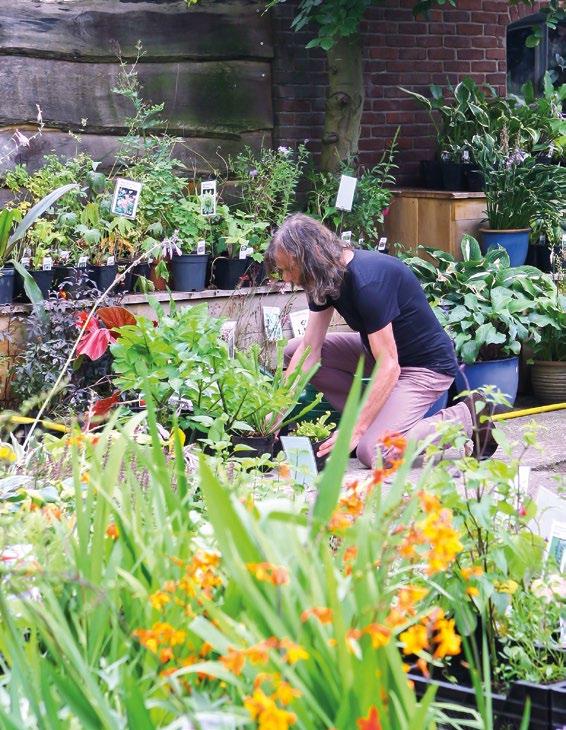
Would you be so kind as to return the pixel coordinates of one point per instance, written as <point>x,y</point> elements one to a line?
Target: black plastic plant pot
<point>320,460</point>
<point>227,273</point>
<point>475,181</point>
<point>131,278</point>
<point>452,175</point>
<point>431,174</point>
<point>188,272</point>
<point>7,285</point>
<point>78,281</point>
<point>256,273</point>
<point>104,276</point>
<point>508,709</point>
<point>558,705</point>
<point>43,279</point>
<point>256,446</point>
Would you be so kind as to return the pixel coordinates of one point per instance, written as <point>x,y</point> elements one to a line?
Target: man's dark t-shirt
<point>379,289</point>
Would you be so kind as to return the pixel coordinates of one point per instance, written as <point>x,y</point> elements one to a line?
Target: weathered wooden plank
<point>201,99</point>
<point>203,156</point>
<point>94,30</point>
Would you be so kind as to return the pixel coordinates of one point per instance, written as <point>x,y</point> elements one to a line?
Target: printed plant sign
<point>272,323</point>
<point>299,322</point>
<point>345,197</point>
<point>556,548</point>
<point>126,198</point>
<point>208,198</point>
<point>228,334</point>
<point>300,457</point>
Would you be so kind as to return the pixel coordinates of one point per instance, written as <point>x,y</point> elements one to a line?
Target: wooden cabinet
<point>437,218</point>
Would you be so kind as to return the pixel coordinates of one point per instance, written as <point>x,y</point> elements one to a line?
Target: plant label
<point>272,323</point>
<point>25,261</point>
<point>111,261</point>
<point>300,457</point>
<point>83,261</point>
<point>347,236</point>
<point>64,255</point>
<point>243,253</point>
<point>361,242</point>
<point>126,198</point>
<point>345,197</point>
<point>208,198</point>
<point>382,245</point>
<point>27,252</point>
<point>556,545</point>
<point>201,248</point>
<point>299,322</point>
<point>249,251</point>
<point>47,263</point>
<point>228,334</point>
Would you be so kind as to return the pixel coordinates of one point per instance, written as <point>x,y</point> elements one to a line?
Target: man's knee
<point>290,349</point>
<point>366,453</point>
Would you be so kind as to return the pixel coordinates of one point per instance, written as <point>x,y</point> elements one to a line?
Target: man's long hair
<point>317,252</point>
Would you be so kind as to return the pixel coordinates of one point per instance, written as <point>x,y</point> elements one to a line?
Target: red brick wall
<point>399,51</point>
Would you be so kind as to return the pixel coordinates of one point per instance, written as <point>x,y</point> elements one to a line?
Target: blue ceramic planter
<point>503,374</point>
<point>514,241</point>
<point>438,405</point>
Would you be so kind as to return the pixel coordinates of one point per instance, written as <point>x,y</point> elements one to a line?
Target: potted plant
<point>234,245</point>
<point>548,372</point>
<point>317,432</point>
<point>519,190</point>
<point>9,239</point>
<point>487,307</point>
<point>188,262</point>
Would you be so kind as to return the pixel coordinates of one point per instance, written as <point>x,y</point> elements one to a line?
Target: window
<point>530,64</point>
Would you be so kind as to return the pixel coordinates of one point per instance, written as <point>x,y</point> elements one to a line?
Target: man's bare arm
<point>316,330</point>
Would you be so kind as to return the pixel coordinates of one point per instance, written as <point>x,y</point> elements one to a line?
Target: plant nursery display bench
<point>436,218</point>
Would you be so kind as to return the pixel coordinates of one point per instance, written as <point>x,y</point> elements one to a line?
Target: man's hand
<point>327,446</point>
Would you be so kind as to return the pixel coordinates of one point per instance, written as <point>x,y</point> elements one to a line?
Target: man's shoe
<point>482,435</point>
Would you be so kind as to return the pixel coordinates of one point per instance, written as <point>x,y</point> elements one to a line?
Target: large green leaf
<point>39,209</point>
<point>31,288</point>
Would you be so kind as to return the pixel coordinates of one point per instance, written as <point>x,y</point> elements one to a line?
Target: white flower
<point>39,114</point>
<point>285,151</point>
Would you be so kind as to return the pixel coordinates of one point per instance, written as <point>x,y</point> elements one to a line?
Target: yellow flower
<point>7,453</point>
<point>472,571</point>
<point>506,586</point>
<point>159,599</point>
<point>285,693</point>
<point>414,639</point>
<point>472,591</point>
<point>379,634</point>
<point>293,652</point>
<point>447,640</point>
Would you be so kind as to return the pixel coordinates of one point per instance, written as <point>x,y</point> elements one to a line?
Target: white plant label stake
<point>208,198</point>
<point>111,261</point>
<point>382,245</point>
<point>347,236</point>
<point>345,197</point>
<point>299,322</point>
<point>47,263</point>
<point>201,248</point>
<point>272,323</point>
<point>83,261</point>
<point>126,198</point>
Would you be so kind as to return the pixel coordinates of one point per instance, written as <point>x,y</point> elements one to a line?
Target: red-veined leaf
<point>95,343</point>
<point>115,317</point>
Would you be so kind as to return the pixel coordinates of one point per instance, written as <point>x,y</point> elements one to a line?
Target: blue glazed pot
<point>438,405</point>
<point>503,374</point>
<point>515,241</point>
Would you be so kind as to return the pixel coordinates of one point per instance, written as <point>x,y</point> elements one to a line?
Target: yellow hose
<point>529,412</point>
<point>46,424</point>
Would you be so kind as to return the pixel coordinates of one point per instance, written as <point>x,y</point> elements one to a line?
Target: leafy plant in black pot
<point>317,432</point>
<point>241,236</point>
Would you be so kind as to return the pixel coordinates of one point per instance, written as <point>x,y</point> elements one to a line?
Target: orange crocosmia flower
<point>473,571</point>
<point>170,586</point>
<point>285,693</point>
<point>259,653</point>
<point>414,639</point>
<point>85,477</point>
<point>394,441</point>
<point>293,652</point>
<point>324,615</point>
<point>277,575</point>
<point>371,721</point>
<point>112,531</point>
<point>284,471</point>
<point>422,666</point>
<point>379,634</point>
<point>429,502</point>
<point>234,661</point>
<point>205,649</point>
<point>408,596</point>
<point>352,635</point>
<point>165,655</point>
<point>472,591</point>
